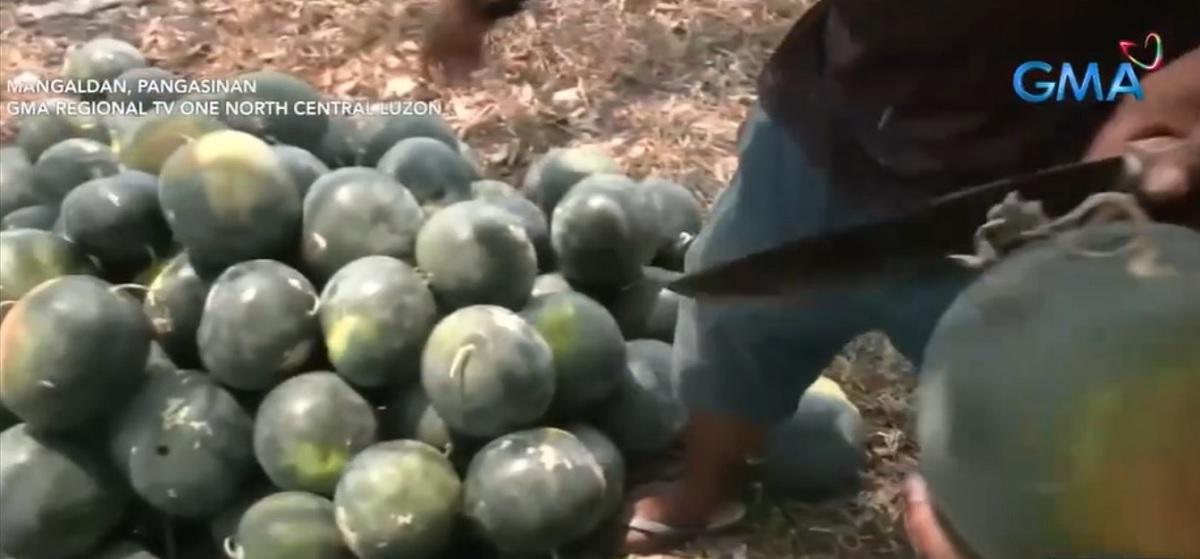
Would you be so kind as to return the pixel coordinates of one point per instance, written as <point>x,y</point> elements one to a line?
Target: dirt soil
<point>661,85</point>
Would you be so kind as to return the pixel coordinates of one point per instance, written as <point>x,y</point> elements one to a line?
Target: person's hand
<point>453,44</point>
<point>924,533</point>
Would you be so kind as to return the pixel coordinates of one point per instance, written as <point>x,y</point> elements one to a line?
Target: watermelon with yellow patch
<point>290,525</point>
<point>308,428</point>
<point>31,257</point>
<point>553,174</point>
<point>147,144</point>
<point>70,163</point>
<point>398,499</point>
<point>228,198</point>
<point>589,352</point>
<point>99,61</point>
<point>174,303</point>
<point>299,123</point>
<point>184,444</point>
<point>376,313</point>
<point>1058,396</point>
<point>71,352</point>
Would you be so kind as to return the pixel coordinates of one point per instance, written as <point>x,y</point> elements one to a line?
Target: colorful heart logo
<point>1158,51</point>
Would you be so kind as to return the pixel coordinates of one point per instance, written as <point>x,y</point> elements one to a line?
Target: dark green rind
<point>644,416</point>
<point>99,60</point>
<point>290,525</point>
<point>29,257</point>
<point>589,352</point>
<point>612,462</point>
<point>398,499</point>
<point>410,415</point>
<point>534,491</point>
<point>554,174</point>
<point>339,146</point>
<point>126,550</point>
<point>223,525</point>
<point>175,304</point>
<point>259,325</point>
<point>286,127</point>
<point>228,198</point>
<point>308,428</point>
<point>41,218</point>
<point>817,453</point>
<point>602,233</point>
<point>139,83</point>
<point>40,131</point>
<point>536,225</point>
<point>377,135</point>
<point>644,308</point>
<point>117,219</point>
<point>70,163</point>
<point>302,165</point>
<point>57,501</point>
<point>355,212</point>
<point>73,352</point>
<point>546,284</point>
<point>376,314</point>
<point>488,188</point>
<point>679,215</point>
<point>16,181</point>
<point>503,377</point>
<point>436,174</point>
<point>477,253</point>
<point>184,444</point>
<point>147,145</point>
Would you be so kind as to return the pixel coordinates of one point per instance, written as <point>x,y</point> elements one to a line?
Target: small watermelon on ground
<point>554,174</point>
<point>546,284</point>
<point>30,257</point>
<point>477,253</point>
<point>410,415</point>
<point>16,181</point>
<point>50,125</point>
<point>376,314</point>
<point>57,500</point>
<point>377,135</point>
<point>299,125</point>
<point>147,88</point>
<point>302,165</point>
<point>355,212</point>
<point>644,417</point>
<point>70,163</point>
<point>228,198</point>
<point>398,499</point>
<point>98,61</point>
<point>534,491</point>
<point>41,218</point>
<point>589,352</point>
<point>487,371</point>
<point>307,430</point>
<point>435,173</point>
<point>536,225</point>
<point>71,351</point>
<point>175,304</point>
<point>117,219</point>
<point>601,232</point>
<point>818,452</point>
<point>259,325</point>
<point>290,525</point>
<point>679,216</point>
<point>148,144</point>
<point>184,444</point>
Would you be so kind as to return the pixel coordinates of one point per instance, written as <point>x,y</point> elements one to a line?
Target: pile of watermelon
<point>304,337</point>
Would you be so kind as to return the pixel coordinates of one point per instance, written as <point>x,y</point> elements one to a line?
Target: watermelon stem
<point>121,288</point>
<point>232,550</point>
<point>458,369</point>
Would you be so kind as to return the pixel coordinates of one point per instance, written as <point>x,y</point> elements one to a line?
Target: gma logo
<point>1035,82</point>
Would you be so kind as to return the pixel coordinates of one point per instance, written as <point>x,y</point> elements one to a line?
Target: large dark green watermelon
<point>376,313</point>
<point>488,371</point>
<point>16,181</point>
<point>229,198</point>
<point>644,308</point>
<point>144,87</point>
<point>184,444</point>
<point>552,175</point>
<point>50,125</point>
<point>679,215</point>
<point>537,226</point>
<point>175,303</point>
<point>290,525</point>
<point>117,219</point>
<point>70,163</point>
<point>437,174</point>
<point>99,60</point>
<point>398,499</point>
<point>602,232</point>
<point>42,218</point>
<point>302,165</point>
<point>71,351</point>
<point>149,143</point>
<point>818,452</point>
<point>30,257</point>
<point>299,125</point>
<point>612,462</point>
<point>644,417</point>
<point>378,134</point>
<point>259,325</point>
<point>410,415</point>
<point>589,352</point>
<point>57,500</point>
<point>534,491</point>
<point>354,212</point>
<point>477,253</point>
<point>308,428</point>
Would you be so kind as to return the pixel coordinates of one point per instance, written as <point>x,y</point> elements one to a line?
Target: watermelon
<point>644,308</point>
<point>533,221</point>
<point>259,325</point>
<point>290,525</point>
<point>40,131</point>
<point>612,463</point>
<point>158,362</point>
<point>477,253</point>
<point>126,550</point>
<point>377,135</point>
<point>549,178</point>
<point>817,452</point>
<point>71,351</point>
<point>228,198</point>
<point>410,415</point>
<point>117,219</point>
<point>99,60</point>
<point>146,87</point>
<point>16,181</point>
<point>588,350</point>
<point>147,144</point>
<point>30,257</point>
<point>223,526</point>
<point>1057,400</point>
<point>184,444</point>
<point>308,428</point>
<point>355,212</point>
<point>339,146</point>
<point>487,371</point>
<point>299,124</point>
<point>175,304</point>
<point>546,284</point>
<point>534,491</point>
<point>435,173</point>
<point>398,499</point>
<point>376,313</point>
<point>70,163</point>
<point>489,188</point>
<point>679,217</point>
<point>644,417</point>
<point>41,218</point>
<point>602,233</point>
<point>57,500</point>
<point>302,165</point>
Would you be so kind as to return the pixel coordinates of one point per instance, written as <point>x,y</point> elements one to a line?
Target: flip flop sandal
<point>728,516</point>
